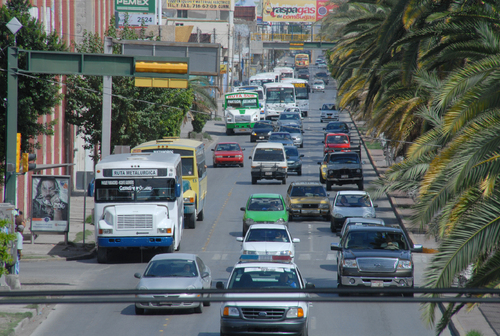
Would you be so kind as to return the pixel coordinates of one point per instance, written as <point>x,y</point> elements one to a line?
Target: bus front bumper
<point>150,241</point>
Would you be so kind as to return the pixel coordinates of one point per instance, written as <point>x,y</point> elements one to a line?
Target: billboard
<point>295,10</point>
<point>50,203</point>
<point>136,6</point>
<point>223,5</point>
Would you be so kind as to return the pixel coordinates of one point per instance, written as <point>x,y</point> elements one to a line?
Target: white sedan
<point>318,85</point>
<point>268,239</point>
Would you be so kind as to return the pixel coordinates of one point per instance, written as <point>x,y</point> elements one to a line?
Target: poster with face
<point>50,203</point>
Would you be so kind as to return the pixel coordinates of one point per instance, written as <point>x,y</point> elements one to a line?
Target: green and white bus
<point>241,111</point>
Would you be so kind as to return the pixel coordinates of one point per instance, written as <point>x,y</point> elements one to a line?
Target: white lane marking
<point>216,256</point>
<point>305,256</point>
<point>331,256</point>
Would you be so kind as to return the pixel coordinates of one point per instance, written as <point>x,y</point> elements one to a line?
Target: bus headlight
<point>162,230</point>
<point>105,231</point>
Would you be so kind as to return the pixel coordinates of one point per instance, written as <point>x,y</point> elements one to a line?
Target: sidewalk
<point>53,247</point>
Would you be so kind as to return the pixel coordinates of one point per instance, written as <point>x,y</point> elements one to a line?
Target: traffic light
<point>171,73</point>
<point>18,152</point>
<point>27,166</point>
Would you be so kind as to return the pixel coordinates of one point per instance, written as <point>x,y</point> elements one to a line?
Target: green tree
<point>37,94</point>
<point>203,103</point>
<point>6,240</point>
<point>138,114</point>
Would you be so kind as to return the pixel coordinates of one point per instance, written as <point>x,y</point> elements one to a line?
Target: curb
<point>26,321</point>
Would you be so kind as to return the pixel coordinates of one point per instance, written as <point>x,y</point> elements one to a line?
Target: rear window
<point>268,154</point>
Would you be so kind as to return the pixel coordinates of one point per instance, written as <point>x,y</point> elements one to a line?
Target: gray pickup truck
<point>342,168</point>
<point>376,257</point>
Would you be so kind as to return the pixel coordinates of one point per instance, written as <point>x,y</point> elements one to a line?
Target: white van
<point>269,162</point>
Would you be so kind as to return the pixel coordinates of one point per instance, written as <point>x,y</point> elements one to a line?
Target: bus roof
<point>279,85</point>
<point>132,160</point>
<point>294,80</point>
<point>173,142</point>
<point>248,88</point>
<point>283,69</point>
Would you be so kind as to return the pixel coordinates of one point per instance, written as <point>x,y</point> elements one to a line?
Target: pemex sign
<point>135,6</point>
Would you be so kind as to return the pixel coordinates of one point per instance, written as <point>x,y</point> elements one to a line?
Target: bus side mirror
<point>178,190</point>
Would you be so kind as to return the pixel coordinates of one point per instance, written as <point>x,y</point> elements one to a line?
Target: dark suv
<point>323,76</point>
<point>376,257</point>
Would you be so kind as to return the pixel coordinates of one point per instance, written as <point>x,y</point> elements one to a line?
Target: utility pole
<point>240,66</point>
<point>230,46</point>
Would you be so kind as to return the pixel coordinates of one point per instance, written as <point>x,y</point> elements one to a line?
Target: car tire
<point>283,181</point>
<point>244,230</point>
<point>207,303</point>
<point>290,217</point>
<point>321,179</point>
<point>102,255</point>
<point>254,180</point>
<point>321,120</point>
<point>360,185</point>
<point>299,172</point>
<point>139,311</point>
<point>302,145</point>
<point>215,165</point>
<point>191,220</point>
<point>200,216</point>
<point>327,218</point>
<point>328,185</point>
<point>199,309</point>
<point>332,226</point>
<point>229,132</point>
<point>242,164</point>
<point>252,140</point>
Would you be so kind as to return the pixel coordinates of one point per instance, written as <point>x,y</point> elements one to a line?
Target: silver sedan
<point>173,271</point>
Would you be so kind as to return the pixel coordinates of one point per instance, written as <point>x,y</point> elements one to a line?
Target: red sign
<point>323,7</point>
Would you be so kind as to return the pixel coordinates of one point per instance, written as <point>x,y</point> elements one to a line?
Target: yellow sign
<point>200,4</point>
<point>289,10</point>
<point>223,68</point>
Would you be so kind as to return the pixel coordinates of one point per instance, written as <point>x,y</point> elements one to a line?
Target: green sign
<point>135,6</point>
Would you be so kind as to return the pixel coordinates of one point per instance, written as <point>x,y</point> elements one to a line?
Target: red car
<point>228,153</point>
<point>337,142</point>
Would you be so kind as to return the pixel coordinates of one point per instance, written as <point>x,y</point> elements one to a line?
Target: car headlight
<point>280,221</point>
<point>238,156</point>
<point>253,133</point>
<point>295,312</point>
<point>323,169</point>
<point>219,156</point>
<point>297,206</point>
<point>324,206</point>
<point>249,252</point>
<point>230,311</point>
<point>368,215</point>
<point>358,170</point>
<point>287,252</point>
<point>349,263</point>
<point>249,221</point>
<point>291,162</point>
<point>404,264</point>
<point>338,215</point>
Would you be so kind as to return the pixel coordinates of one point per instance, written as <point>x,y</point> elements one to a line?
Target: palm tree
<point>203,103</point>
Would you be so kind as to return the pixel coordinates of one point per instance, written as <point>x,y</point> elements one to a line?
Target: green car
<point>264,209</point>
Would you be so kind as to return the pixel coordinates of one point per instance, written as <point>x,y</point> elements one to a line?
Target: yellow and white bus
<point>194,169</point>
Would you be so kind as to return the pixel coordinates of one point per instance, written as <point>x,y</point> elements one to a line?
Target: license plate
<point>261,137</point>
<point>269,173</point>
<point>166,303</point>
<point>344,176</point>
<point>377,283</point>
<point>310,211</point>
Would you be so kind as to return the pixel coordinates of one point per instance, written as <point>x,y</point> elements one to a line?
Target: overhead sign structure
<point>296,10</point>
<point>224,5</point>
<point>135,6</point>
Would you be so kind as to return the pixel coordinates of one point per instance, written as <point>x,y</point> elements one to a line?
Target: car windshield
<point>268,235</point>
<point>375,240</point>
<point>291,151</point>
<point>289,116</point>
<point>262,125</point>
<point>308,191</point>
<point>227,147</point>
<point>268,154</point>
<point>289,129</point>
<point>280,136</point>
<point>171,268</point>
<point>318,83</point>
<point>344,159</point>
<point>353,201</point>
<point>337,139</point>
<point>257,277</point>
<point>265,204</point>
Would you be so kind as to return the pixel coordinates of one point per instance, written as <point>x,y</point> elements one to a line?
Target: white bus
<point>279,96</point>
<point>241,111</point>
<point>285,72</point>
<point>302,90</point>
<point>264,78</point>
<point>260,91</point>
<point>138,203</point>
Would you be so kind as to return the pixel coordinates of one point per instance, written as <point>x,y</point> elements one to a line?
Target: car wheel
<point>102,255</point>
<point>299,172</point>
<point>200,216</point>
<point>139,311</point>
<point>290,217</point>
<point>254,180</point>
<point>252,140</point>
<point>321,179</point>
<point>339,286</point>
<point>199,309</point>
<point>244,231</point>
<point>207,303</point>
<point>302,145</point>
<point>283,181</point>
<point>229,132</point>
<point>242,164</point>
<point>332,226</point>
<point>328,185</point>
<point>191,220</point>
<point>327,218</point>
<point>321,120</point>
<point>360,185</point>
<point>215,165</point>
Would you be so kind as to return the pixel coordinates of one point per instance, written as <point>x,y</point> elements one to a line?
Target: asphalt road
<point>214,240</point>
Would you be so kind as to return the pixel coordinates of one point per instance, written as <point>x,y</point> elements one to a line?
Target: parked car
<point>173,271</point>
<point>375,257</point>
<point>318,85</point>
<point>281,137</point>
<point>329,112</point>
<point>264,209</point>
<point>296,133</point>
<point>261,130</point>
<point>351,203</point>
<point>227,154</point>
<point>268,239</point>
<point>294,159</point>
<point>307,199</point>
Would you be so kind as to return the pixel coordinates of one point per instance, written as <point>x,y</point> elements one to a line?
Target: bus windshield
<point>301,91</point>
<point>242,103</point>
<point>135,190</point>
<point>279,95</point>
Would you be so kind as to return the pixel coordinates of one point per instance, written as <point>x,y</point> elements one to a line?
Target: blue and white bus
<point>138,203</point>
